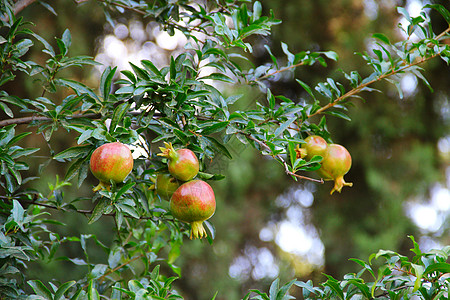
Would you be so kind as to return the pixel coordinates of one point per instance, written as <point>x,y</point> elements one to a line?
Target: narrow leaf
<point>40,289</point>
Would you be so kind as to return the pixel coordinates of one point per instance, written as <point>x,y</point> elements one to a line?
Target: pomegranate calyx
<point>339,183</point>
<point>300,152</point>
<point>197,230</point>
<point>168,151</point>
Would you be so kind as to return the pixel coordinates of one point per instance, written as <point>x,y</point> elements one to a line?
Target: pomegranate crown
<point>167,151</point>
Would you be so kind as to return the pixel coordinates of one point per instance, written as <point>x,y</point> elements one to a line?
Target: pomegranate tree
<point>193,202</point>
<point>166,185</point>
<point>111,161</point>
<point>183,163</point>
<point>335,164</point>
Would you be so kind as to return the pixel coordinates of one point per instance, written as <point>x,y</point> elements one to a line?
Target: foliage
<point>398,277</point>
<point>185,105</point>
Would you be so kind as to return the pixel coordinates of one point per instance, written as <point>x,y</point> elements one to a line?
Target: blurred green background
<point>268,225</point>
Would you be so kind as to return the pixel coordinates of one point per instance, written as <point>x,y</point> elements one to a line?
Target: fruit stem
<point>197,230</point>
<point>102,186</point>
<point>339,183</point>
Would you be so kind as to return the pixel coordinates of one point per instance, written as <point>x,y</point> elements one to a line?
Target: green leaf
<point>116,294</point>
<point>274,59</point>
<point>270,99</point>
<point>102,206</point>
<point>130,210</point>
<point>151,67</point>
<point>418,272</point>
<point>17,212</point>
<point>173,69</point>
<point>441,267</point>
<point>76,86</point>
<point>283,126</point>
<point>118,114</point>
<point>219,146</point>
<point>334,286</point>
<point>63,289</point>
<point>92,292</point>
<point>74,152</point>
<point>17,138</point>
<point>40,289</point>
<point>338,114</point>
<point>306,87</point>
<point>106,81</point>
<point>218,76</point>
<point>75,167</point>
<point>283,291</point>
<point>381,37</point>
<point>331,55</point>
<point>441,9</point>
<point>217,127</point>
<point>273,290</point>
<point>124,189</point>
<point>49,8</point>
<point>48,48</point>
<point>140,73</point>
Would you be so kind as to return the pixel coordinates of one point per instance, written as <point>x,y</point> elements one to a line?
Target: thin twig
<point>362,86</point>
<point>442,33</point>
<point>30,119</point>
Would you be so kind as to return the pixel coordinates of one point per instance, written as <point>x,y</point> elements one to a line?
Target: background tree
<point>182,104</point>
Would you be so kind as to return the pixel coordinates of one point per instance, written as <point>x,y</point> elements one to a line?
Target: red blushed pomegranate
<point>194,202</point>
<point>166,185</point>
<point>314,145</point>
<point>183,163</point>
<point>112,161</point>
<point>336,163</point>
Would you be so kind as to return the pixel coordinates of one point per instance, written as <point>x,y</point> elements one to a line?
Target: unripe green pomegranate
<point>112,161</point>
<point>193,202</point>
<point>314,145</point>
<point>166,185</point>
<point>335,164</point>
<point>183,164</point>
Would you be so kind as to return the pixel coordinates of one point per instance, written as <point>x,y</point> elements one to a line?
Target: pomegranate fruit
<point>314,145</point>
<point>335,164</point>
<point>183,163</point>
<point>193,202</point>
<point>166,185</point>
<point>111,161</point>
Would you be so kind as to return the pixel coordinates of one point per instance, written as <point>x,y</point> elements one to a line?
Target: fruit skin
<point>314,145</point>
<point>183,163</point>
<point>194,202</point>
<point>111,161</point>
<point>166,185</point>
<point>335,164</point>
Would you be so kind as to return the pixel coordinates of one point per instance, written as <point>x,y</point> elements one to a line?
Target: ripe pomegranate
<point>314,145</point>
<point>166,185</point>
<point>183,164</point>
<point>112,161</point>
<point>335,164</point>
<point>193,202</point>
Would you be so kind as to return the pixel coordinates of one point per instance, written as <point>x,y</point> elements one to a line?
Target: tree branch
<point>28,120</point>
<point>18,7</point>
<point>362,86</point>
